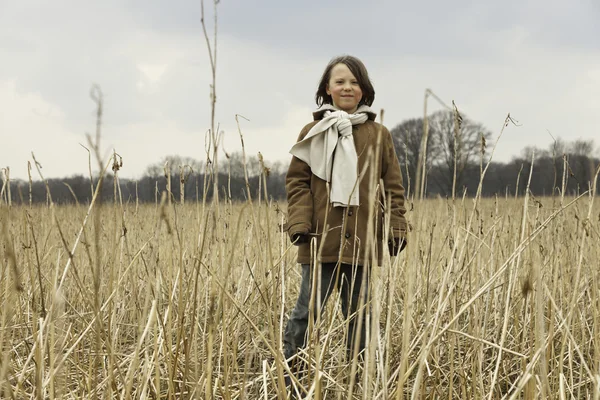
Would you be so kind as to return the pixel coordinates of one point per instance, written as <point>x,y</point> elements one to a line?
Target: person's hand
<point>300,238</point>
<point>396,245</point>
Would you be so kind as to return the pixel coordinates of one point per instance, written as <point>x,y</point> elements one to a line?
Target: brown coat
<point>310,211</point>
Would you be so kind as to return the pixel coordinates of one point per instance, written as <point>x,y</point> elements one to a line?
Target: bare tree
<point>581,162</point>
<point>407,138</point>
<point>582,147</point>
<point>539,153</point>
<point>236,163</point>
<point>460,146</point>
<point>157,169</point>
<point>279,167</point>
<point>558,148</point>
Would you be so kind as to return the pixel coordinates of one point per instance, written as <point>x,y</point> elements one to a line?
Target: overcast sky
<point>537,59</point>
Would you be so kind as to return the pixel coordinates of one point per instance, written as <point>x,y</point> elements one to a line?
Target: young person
<point>330,192</point>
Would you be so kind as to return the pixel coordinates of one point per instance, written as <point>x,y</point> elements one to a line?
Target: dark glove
<point>300,238</point>
<point>396,245</point>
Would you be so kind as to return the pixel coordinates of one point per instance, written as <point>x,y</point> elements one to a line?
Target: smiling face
<point>344,89</point>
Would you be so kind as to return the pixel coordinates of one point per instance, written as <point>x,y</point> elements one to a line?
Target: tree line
<point>195,184</point>
<point>457,153</point>
<point>454,158</point>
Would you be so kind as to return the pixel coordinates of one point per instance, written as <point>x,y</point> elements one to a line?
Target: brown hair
<point>359,71</point>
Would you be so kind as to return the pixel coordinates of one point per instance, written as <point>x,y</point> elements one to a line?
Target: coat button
<point>347,235</point>
<point>350,213</point>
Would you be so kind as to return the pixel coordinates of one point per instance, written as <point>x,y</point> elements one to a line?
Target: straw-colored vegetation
<point>493,298</point>
<point>496,298</point>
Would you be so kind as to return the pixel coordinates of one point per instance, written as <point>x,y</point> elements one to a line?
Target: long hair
<point>359,71</point>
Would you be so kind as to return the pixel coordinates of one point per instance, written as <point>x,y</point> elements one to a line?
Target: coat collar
<point>318,115</point>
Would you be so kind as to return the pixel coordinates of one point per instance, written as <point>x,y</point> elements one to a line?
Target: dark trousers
<point>349,284</point>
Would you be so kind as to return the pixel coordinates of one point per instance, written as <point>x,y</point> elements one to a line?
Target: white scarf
<point>331,136</point>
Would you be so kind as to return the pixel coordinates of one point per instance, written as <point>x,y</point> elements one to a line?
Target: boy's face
<point>344,89</point>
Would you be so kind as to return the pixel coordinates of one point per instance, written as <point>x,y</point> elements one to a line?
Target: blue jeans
<point>349,284</point>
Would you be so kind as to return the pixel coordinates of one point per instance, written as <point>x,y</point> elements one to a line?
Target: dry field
<point>492,299</point>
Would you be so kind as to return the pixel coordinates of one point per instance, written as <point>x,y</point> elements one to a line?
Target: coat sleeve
<point>394,189</point>
<point>299,197</point>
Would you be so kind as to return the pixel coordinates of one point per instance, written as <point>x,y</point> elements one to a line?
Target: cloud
<point>36,125</point>
<point>537,60</point>
<point>273,141</point>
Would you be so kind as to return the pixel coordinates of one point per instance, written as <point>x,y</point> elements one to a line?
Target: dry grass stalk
<point>184,300</point>
<point>159,269</point>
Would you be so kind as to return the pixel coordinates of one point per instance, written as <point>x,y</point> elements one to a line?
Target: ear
<point>327,89</point>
